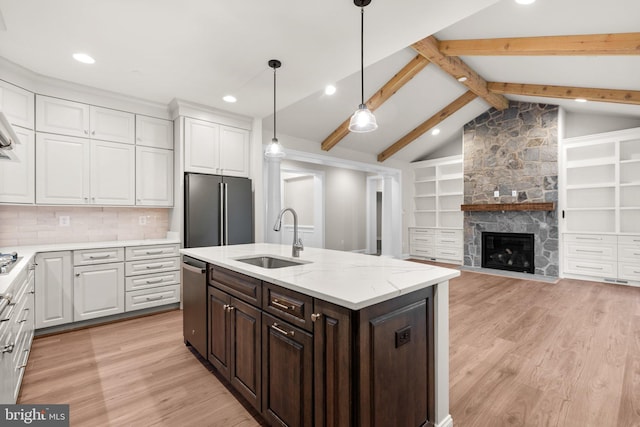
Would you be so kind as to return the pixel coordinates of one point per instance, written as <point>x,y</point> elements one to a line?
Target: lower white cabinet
<point>436,244</point>
<point>98,290</point>
<point>54,289</point>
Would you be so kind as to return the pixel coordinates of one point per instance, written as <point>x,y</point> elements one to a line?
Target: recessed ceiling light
<point>229,98</point>
<point>462,79</point>
<point>435,132</point>
<point>581,100</point>
<point>329,90</point>
<point>84,58</point>
<point>525,1</point>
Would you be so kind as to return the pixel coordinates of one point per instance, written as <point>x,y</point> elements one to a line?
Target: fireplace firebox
<point>508,251</point>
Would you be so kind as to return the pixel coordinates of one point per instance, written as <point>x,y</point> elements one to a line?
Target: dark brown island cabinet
<point>302,361</point>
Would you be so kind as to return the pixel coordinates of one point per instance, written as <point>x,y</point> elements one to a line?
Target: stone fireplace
<point>514,150</point>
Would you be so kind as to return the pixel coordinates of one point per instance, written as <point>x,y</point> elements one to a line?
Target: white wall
<point>580,124</point>
<point>298,194</point>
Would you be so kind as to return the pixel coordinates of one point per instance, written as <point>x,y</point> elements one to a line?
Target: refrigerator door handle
<point>221,211</point>
<point>226,215</point>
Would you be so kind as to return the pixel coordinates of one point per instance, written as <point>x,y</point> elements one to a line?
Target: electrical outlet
<point>64,221</point>
<point>142,220</point>
<point>496,193</point>
<point>514,193</point>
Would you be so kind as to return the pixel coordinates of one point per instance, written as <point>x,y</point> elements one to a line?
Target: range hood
<point>8,136</point>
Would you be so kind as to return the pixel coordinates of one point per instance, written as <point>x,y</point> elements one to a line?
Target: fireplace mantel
<point>493,207</point>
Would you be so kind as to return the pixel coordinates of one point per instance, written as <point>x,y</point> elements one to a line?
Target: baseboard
<point>447,422</point>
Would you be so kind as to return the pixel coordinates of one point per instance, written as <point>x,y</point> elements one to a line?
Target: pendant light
<point>274,149</point>
<point>363,119</point>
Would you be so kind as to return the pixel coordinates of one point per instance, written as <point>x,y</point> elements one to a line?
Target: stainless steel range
<point>7,261</point>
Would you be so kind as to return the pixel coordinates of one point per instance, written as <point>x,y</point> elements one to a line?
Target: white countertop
<point>347,279</point>
<point>28,252</point>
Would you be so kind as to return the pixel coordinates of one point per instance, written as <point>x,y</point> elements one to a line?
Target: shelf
<point>450,210</point>
<point>450,177</point>
<point>611,185</point>
<point>425,211</point>
<point>420,181</point>
<point>630,208</point>
<point>589,209</point>
<point>630,184</point>
<point>417,196</point>
<point>456,193</point>
<point>575,164</point>
<point>630,161</point>
<point>493,207</point>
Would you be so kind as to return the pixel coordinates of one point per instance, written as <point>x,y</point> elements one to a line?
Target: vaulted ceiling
<point>201,50</point>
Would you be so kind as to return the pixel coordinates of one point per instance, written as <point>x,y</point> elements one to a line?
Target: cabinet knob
<point>93,132</point>
<point>228,307</point>
<point>77,274</point>
<point>315,316</point>
<point>86,132</point>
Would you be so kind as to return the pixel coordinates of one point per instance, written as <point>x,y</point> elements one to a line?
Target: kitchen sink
<point>265,261</point>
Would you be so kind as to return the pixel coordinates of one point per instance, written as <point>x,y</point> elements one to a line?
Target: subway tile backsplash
<point>37,225</point>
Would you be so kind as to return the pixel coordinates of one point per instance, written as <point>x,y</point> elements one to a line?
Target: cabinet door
<point>17,104</point>
<point>17,172</point>
<point>112,125</point>
<point>152,132</point>
<point>246,370</point>
<point>112,173</point>
<point>287,373</point>
<point>62,117</point>
<point>201,146</point>
<point>98,291</point>
<point>54,291</point>
<point>62,169</point>
<point>234,151</point>
<point>332,365</point>
<point>219,353</point>
<point>154,177</point>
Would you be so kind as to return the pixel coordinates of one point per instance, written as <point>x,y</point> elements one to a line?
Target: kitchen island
<point>339,339</point>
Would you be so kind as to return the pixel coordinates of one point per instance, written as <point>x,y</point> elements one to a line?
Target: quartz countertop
<point>28,252</point>
<point>347,279</point>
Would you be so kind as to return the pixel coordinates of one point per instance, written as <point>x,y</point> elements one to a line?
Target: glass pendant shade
<point>363,120</point>
<point>274,149</point>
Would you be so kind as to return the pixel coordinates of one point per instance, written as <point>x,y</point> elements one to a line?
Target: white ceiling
<point>201,50</point>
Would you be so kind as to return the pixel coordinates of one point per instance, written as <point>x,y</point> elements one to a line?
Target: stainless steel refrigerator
<point>218,210</point>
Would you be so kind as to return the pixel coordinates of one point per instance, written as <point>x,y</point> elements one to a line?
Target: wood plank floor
<point>523,353</point>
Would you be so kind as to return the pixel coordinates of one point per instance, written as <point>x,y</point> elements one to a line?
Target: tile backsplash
<point>37,225</point>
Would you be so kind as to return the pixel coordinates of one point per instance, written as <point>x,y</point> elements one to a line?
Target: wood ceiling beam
<point>433,121</point>
<point>401,78</point>
<point>589,44</point>
<point>567,92</point>
<point>428,47</point>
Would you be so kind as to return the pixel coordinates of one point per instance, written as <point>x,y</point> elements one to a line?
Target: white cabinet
<point>443,245</point>
<point>54,290</point>
<point>216,149</point>
<point>71,118</point>
<point>438,192</point>
<point>17,170</point>
<point>81,171</point>
<point>98,290</point>
<point>153,132</point>
<point>154,176</point>
<point>17,104</point>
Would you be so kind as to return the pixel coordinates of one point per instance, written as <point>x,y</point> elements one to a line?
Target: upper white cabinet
<point>17,105</point>
<point>71,118</point>
<point>153,132</point>
<point>216,149</point>
<point>154,176</point>
<point>81,171</point>
<point>17,170</point>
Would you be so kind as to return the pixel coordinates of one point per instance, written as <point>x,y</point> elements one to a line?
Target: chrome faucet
<point>297,241</point>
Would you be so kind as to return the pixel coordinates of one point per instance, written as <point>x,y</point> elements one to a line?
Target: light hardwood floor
<point>523,353</point>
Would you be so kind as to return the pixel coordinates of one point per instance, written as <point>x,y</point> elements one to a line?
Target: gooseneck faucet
<point>297,241</point>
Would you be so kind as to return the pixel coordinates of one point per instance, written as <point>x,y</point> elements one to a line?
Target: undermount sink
<point>265,261</point>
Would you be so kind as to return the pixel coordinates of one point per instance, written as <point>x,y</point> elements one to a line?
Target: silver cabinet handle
<point>315,316</point>
<point>77,274</point>
<point>154,266</point>
<point>86,132</point>
<point>282,306</point>
<point>228,307</point>
<point>588,238</point>
<point>193,269</point>
<point>8,348</point>
<point>150,281</point>
<point>154,298</point>
<point>276,327</point>
<point>24,361</point>
<point>589,251</point>
<point>156,252</point>
<point>25,317</point>
<point>93,132</point>
<point>103,256</point>
<point>589,268</point>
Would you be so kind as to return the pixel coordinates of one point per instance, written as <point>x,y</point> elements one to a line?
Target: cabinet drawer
<point>145,298</point>
<point>133,253</point>
<point>134,283</point>
<point>605,269</point>
<point>591,238</point>
<point>629,271</point>
<point>629,253</point>
<point>134,268</point>
<point>421,232</point>
<point>423,240</point>
<point>98,256</point>
<point>597,251</point>
<point>423,251</point>
<point>449,237</point>
<point>289,305</point>
<point>449,253</point>
<point>244,287</point>
<point>629,240</point>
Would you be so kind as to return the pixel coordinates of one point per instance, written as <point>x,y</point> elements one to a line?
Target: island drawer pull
<point>276,327</point>
<point>278,304</point>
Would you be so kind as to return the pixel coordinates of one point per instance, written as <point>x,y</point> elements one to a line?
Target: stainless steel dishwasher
<point>194,308</point>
